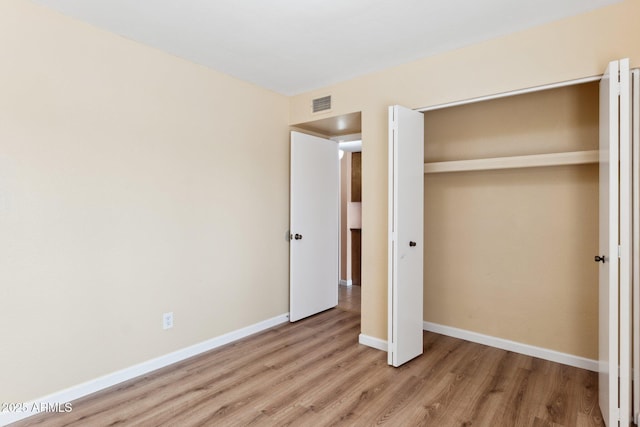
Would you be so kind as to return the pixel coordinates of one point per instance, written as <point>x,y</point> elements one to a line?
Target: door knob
<point>412,244</point>
<point>599,258</point>
<point>298,236</point>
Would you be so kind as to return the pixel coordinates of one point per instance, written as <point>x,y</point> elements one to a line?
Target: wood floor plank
<point>283,385</point>
<point>326,400</point>
<point>314,373</point>
<point>236,356</point>
<point>231,392</point>
<point>515,411</point>
<point>440,354</point>
<point>587,389</point>
<point>584,420</point>
<point>316,395</point>
<point>473,373</point>
<point>492,386</point>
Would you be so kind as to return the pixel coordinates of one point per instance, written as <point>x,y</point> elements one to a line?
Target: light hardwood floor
<point>314,373</point>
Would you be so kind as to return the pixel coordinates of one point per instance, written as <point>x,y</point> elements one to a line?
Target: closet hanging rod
<point>513,162</point>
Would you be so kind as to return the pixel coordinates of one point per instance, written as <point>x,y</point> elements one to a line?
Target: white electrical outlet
<point>167,320</point>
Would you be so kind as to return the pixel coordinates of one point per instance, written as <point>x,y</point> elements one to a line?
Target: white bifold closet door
<point>616,243</point>
<point>314,225</point>
<point>406,244</point>
<point>615,248</point>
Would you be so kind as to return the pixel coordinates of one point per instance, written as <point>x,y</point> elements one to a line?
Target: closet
<point>512,224</point>
<point>511,218</point>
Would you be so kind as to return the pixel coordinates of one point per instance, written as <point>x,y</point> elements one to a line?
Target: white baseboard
<point>346,282</point>
<point>373,342</point>
<point>516,347</point>
<point>64,396</point>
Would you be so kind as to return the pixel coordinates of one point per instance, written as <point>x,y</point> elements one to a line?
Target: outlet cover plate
<point>167,320</point>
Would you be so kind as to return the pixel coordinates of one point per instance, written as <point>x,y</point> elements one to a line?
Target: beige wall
<point>571,48</point>
<point>130,185</point>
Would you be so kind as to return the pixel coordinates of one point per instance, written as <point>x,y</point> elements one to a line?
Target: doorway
<point>350,221</point>
<point>350,209</point>
<point>345,131</point>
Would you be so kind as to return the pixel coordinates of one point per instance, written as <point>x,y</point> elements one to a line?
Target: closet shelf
<point>530,161</point>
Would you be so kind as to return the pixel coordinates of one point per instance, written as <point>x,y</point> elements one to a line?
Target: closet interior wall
<point>509,253</point>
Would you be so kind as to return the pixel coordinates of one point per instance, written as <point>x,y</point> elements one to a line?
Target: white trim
<point>512,162</point>
<point>347,138</point>
<point>516,347</point>
<point>511,93</point>
<point>346,282</point>
<point>97,384</point>
<point>391,227</point>
<point>625,240</point>
<point>635,74</point>
<point>373,342</point>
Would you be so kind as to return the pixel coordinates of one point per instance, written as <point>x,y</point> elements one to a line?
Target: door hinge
<point>618,414</point>
<point>619,251</point>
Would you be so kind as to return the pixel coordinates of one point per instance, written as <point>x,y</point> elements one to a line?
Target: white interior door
<point>406,224</point>
<point>314,227</point>
<point>614,246</point>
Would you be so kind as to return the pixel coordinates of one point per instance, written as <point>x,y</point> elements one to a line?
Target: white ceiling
<point>292,46</point>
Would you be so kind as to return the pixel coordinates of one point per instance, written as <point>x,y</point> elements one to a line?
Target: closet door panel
<point>406,225</point>
<point>608,245</point>
<point>635,115</point>
<point>625,244</point>
<point>614,246</point>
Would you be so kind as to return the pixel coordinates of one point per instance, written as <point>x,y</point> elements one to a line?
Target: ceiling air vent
<point>322,104</point>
